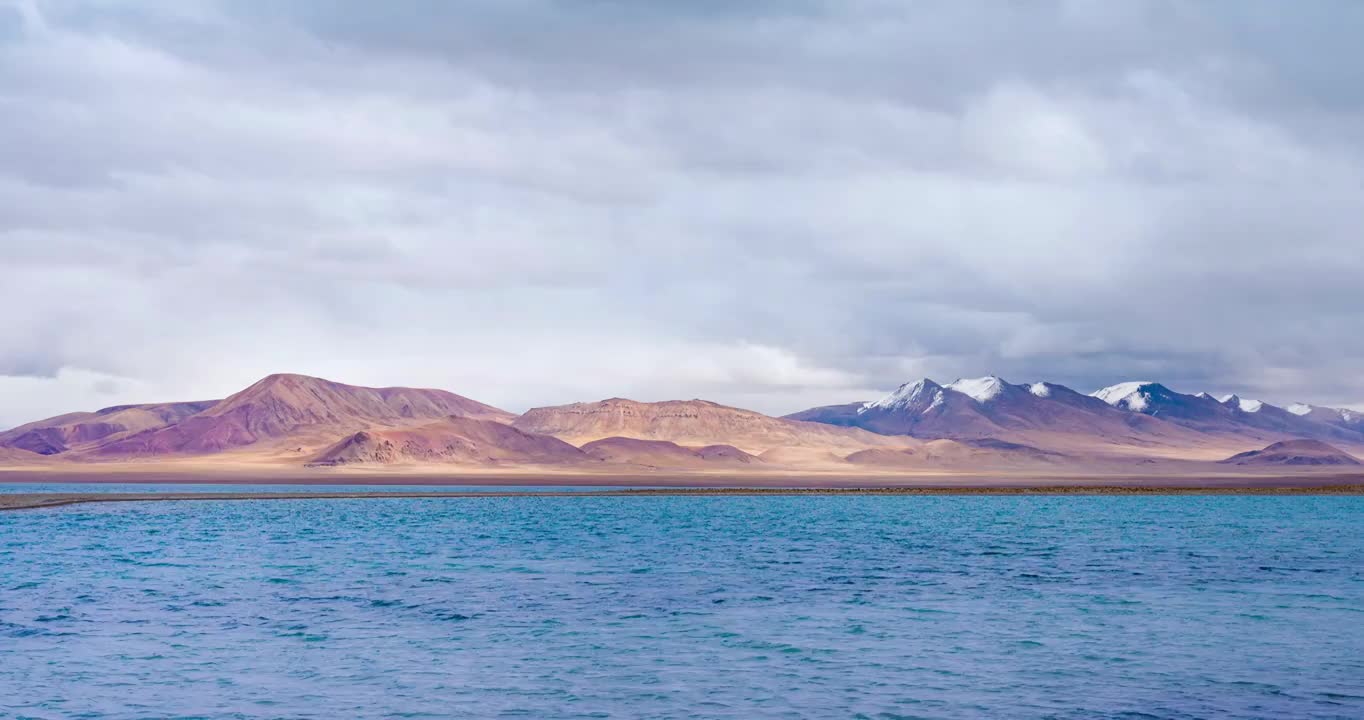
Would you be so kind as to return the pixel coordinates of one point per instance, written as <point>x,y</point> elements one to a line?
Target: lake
<point>681,607</point>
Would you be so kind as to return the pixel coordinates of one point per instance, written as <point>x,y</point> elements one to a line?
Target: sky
<point>767,204</point>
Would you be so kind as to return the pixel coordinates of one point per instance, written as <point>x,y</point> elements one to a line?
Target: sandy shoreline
<point>513,478</point>
<point>29,501</point>
<point>654,484</point>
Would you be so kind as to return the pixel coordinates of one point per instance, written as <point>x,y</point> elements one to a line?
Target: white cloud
<point>1017,129</point>
<point>831,196</point>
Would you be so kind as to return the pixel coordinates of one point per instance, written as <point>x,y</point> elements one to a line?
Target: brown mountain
<point>696,423</point>
<point>974,424</point>
<point>454,440</point>
<point>14,456</point>
<point>79,430</point>
<point>1294,453</point>
<point>665,454</point>
<point>302,410</point>
<point>954,454</point>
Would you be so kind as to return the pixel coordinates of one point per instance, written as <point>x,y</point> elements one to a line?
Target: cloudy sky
<point>769,204</point>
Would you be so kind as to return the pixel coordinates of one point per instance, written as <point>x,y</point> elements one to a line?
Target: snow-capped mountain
<point>1229,415</point>
<point>1151,398</point>
<point>1348,419</point>
<point>1274,418</point>
<point>916,397</point>
<point>991,407</point>
<point>1134,396</point>
<point>1043,389</point>
<point>923,408</point>
<point>1242,404</point>
<point>1138,414</point>
<point>982,390</point>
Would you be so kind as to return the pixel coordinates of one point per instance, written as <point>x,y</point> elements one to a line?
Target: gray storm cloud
<point>768,204</point>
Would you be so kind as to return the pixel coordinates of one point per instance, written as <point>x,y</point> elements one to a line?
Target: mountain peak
<point>273,377</point>
<point>1335,416</point>
<point>1242,404</point>
<point>289,378</point>
<point>921,395</point>
<point>283,389</point>
<point>286,405</point>
<point>689,423</point>
<point>1134,395</point>
<point>982,390</point>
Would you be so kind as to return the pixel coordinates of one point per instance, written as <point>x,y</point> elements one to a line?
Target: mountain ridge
<point>296,420</point>
<point>454,440</point>
<point>1126,416</point>
<point>690,423</point>
<point>284,407</point>
<point>59,434</point>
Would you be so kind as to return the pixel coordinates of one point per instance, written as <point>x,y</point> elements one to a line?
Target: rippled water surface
<point>558,607</point>
<point>292,489</point>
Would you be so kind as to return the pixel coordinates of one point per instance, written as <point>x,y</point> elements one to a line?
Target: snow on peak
<point>1244,405</point>
<point>1305,409</point>
<point>924,394</point>
<point>1127,395</point>
<point>981,390</point>
<point>1040,389</point>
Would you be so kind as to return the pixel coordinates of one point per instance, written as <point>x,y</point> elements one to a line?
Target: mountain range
<point>1134,418</point>
<point>980,424</point>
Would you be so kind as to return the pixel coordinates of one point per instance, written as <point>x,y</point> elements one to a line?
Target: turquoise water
<point>675,607</point>
<point>104,487</point>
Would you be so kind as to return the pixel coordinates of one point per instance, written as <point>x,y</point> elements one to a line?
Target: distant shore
<point>520,478</point>
<point>31,501</point>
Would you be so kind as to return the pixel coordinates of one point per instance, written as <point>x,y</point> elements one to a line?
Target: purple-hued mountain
<point>84,429</point>
<point>1296,453</point>
<point>1136,414</point>
<point>1276,419</point>
<point>1229,415</point>
<point>1348,419</point>
<point>982,423</point>
<point>288,420</point>
<point>1199,411</point>
<point>1043,414</point>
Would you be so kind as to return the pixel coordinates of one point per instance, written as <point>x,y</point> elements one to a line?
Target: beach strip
<point>32,501</point>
